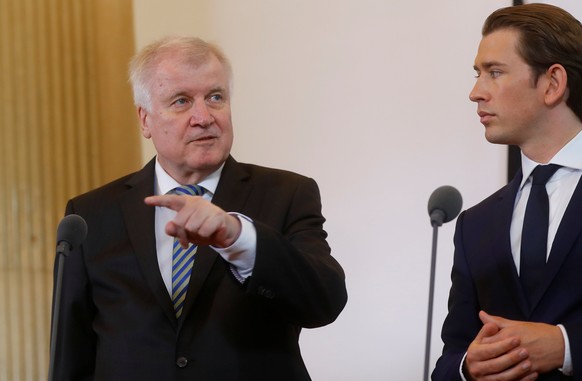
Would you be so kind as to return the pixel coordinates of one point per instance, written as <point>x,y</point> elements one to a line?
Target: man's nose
<point>201,115</point>
<point>477,93</point>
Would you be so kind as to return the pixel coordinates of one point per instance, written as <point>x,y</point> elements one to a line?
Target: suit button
<point>265,292</point>
<point>182,362</point>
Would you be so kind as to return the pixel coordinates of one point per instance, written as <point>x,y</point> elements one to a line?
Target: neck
<point>547,142</point>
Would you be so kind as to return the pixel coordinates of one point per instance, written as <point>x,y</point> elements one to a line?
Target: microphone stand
<point>63,249</point>
<point>436,220</point>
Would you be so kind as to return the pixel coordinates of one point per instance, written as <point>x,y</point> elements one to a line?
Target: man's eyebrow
<point>487,65</point>
<point>179,93</point>
<point>218,89</point>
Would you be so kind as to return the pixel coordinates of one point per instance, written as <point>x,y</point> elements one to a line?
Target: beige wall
<point>370,98</point>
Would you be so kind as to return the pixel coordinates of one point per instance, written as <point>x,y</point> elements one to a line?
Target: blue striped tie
<point>182,259</point>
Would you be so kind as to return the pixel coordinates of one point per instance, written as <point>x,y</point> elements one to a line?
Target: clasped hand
<point>198,221</point>
<point>513,350</point>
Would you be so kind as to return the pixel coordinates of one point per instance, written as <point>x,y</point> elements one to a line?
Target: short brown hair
<point>547,35</point>
<point>193,49</point>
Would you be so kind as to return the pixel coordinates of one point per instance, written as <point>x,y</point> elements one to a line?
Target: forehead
<point>175,73</point>
<point>499,47</point>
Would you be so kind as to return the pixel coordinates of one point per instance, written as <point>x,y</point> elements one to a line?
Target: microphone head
<point>72,229</point>
<point>444,205</point>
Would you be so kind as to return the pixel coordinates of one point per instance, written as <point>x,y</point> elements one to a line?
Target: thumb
<point>491,319</point>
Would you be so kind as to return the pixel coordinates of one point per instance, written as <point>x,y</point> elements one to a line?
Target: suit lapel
<point>140,221</point>
<point>231,194</point>
<point>568,232</point>
<point>233,188</point>
<point>507,269</point>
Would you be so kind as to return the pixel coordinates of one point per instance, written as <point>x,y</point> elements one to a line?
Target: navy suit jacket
<point>484,277</point>
<point>116,318</point>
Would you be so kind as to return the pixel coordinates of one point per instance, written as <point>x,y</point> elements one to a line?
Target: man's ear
<point>557,85</point>
<point>143,116</point>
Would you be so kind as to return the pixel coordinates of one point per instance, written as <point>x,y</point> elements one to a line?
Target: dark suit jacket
<point>484,277</point>
<point>116,318</point>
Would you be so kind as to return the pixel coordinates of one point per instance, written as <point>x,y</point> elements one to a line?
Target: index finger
<point>487,330</point>
<point>170,201</point>
<point>490,346</point>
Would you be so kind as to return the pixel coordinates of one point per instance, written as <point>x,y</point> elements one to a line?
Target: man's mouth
<point>484,117</point>
<point>203,139</point>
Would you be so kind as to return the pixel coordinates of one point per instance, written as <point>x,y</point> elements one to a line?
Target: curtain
<point>67,125</point>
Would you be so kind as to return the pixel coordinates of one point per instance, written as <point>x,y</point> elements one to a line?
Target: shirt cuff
<point>461,367</point>
<point>567,368</point>
<point>242,253</point>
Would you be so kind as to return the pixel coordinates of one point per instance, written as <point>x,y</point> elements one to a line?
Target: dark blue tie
<point>534,237</point>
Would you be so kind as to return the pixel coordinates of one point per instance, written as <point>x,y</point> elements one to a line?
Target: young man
<point>512,315</point>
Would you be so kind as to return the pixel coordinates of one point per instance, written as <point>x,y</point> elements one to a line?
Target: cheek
<point>226,127</point>
<point>163,126</point>
<point>164,136</point>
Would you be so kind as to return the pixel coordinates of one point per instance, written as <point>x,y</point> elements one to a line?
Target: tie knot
<point>188,190</point>
<point>542,173</point>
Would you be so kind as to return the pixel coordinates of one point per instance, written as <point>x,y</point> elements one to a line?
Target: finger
<point>520,371</point>
<point>174,230</point>
<point>497,349</point>
<point>209,230</point>
<point>510,365</point>
<point>170,201</point>
<point>502,336</point>
<point>486,346</point>
<point>487,330</point>
<point>196,225</point>
<point>486,318</point>
<point>497,320</point>
<point>496,334</point>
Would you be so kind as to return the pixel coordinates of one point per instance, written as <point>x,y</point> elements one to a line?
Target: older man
<point>196,267</point>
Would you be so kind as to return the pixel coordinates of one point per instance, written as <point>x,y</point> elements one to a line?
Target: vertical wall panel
<point>5,353</point>
<point>52,123</point>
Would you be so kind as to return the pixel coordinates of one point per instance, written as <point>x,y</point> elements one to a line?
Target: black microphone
<point>444,205</point>
<point>71,232</point>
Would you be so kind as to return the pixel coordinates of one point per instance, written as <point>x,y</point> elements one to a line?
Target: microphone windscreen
<point>446,199</point>
<point>72,229</point>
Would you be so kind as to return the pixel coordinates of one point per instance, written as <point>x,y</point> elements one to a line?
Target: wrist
<point>234,228</point>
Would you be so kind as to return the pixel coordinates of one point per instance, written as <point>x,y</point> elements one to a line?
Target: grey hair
<point>194,50</point>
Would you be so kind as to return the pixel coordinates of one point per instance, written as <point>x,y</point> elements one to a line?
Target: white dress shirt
<point>241,254</point>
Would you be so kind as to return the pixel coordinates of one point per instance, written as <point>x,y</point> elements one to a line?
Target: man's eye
<point>216,98</point>
<point>180,101</point>
<point>494,73</point>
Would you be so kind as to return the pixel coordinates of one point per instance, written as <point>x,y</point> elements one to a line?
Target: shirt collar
<point>165,183</point>
<point>569,156</point>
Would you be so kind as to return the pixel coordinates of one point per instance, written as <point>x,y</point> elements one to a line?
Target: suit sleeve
<point>74,355</point>
<point>294,270</point>
<point>575,339</point>
<point>462,322</point>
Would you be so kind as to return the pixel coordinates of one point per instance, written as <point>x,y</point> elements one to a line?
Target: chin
<point>208,162</point>
<point>495,138</point>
